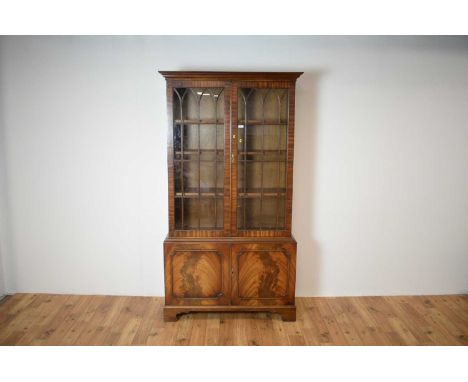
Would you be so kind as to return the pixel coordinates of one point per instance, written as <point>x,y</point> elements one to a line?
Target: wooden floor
<point>41,319</point>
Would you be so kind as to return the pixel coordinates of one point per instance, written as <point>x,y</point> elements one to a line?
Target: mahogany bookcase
<point>230,164</point>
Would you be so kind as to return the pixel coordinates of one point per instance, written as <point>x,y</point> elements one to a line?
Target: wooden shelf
<point>257,193</point>
<point>257,152</point>
<point>207,193</point>
<point>261,122</point>
<point>189,229</point>
<point>221,151</point>
<point>200,121</point>
<point>217,156</point>
<point>194,160</point>
<point>254,122</point>
<point>263,156</point>
<point>262,228</point>
<point>262,161</point>
<point>204,193</point>
<point>195,151</point>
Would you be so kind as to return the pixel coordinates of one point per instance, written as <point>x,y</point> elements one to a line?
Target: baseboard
<point>4,297</point>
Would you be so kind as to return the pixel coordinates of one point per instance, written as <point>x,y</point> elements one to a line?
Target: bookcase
<point>230,168</point>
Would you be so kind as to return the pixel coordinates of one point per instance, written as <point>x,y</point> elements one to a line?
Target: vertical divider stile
<point>245,98</point>
<point>244,157</point>
<point>199,161</point>
<point>182,163</point>
<point>215,101</point>
<point>233,158</point>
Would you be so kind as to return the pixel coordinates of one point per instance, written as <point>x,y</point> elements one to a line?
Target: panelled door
<point>197,274</point>
<point>263,273</point>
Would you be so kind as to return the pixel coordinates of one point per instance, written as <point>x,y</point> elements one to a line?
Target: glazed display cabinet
<point>230,166</point>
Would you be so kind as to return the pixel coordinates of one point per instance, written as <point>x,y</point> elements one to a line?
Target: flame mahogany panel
<point>197,274</point>
<point>263,273</point>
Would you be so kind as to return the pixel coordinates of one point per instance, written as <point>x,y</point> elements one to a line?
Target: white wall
<point>381,171</point>
<point>3,187</point>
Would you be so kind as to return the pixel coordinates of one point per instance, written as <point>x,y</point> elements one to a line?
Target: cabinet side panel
<point>167,273</point>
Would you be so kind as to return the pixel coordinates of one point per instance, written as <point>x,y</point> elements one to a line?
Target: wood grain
<point>263,273</point>
<point>41,319</point>
<point>197,274</point>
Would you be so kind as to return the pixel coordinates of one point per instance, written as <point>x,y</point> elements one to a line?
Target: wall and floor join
<point>380,169</point>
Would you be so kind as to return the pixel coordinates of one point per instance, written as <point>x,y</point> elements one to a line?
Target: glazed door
<point>200,159</point>
<point>263,145</point>
<point>263,273</point>
<point>197,274</point>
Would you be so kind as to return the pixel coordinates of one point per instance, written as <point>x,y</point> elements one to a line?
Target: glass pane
<point>262,160</point>
<point>265,213</point>
<point>198,158</point>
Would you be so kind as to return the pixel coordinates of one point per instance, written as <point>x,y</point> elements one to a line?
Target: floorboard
<point>46,319</point>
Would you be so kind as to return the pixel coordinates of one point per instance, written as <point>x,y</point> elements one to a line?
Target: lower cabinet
<point>230,276</point>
